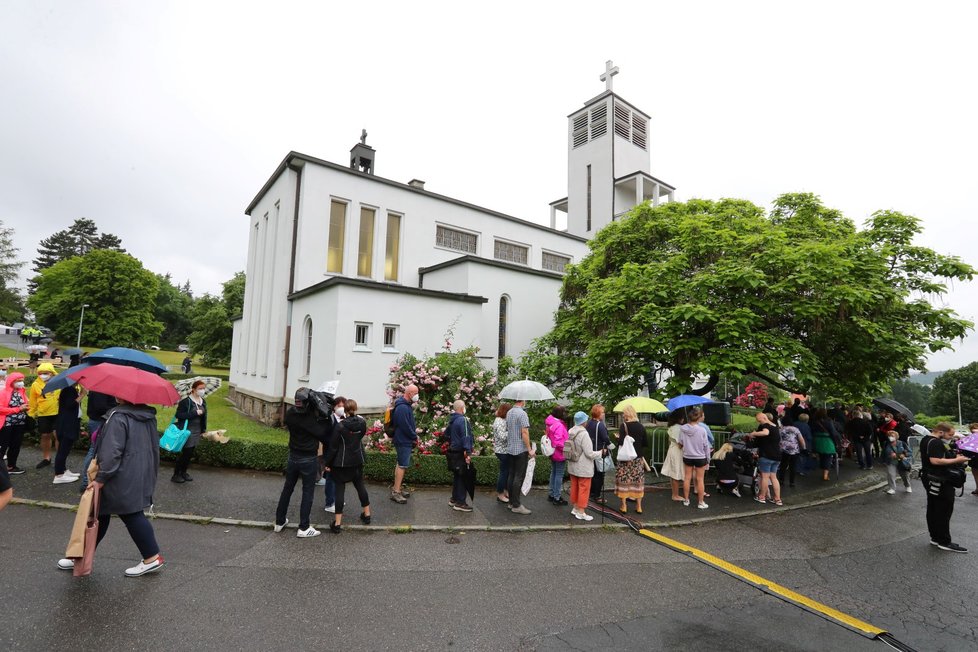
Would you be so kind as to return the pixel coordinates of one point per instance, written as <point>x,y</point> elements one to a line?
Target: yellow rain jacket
<point>42,406</point>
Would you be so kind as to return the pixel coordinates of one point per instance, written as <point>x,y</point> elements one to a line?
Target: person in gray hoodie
<point>128,455</point>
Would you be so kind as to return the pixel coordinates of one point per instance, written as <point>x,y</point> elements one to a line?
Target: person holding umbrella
<point>459,455</point>
<point>520,452</point>
<point>192,411</point>
<point>69,430</point>
<point>128,456</point>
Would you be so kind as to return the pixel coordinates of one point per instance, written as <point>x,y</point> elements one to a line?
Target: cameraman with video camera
<point>942,467</point>
<point>310,423</point>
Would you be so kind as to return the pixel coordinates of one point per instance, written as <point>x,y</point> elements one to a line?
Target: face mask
<point>3,373</point>
<point>44,376</point>
<point>414,399</point>
<point>340,411</point>
<point>19,384</point>
<point>200,393</point>
<point>893,438</point>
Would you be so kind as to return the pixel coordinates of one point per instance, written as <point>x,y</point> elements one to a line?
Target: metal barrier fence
<point>658,444</point>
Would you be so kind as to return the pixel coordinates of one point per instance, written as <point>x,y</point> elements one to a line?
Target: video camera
<point>323,401</point>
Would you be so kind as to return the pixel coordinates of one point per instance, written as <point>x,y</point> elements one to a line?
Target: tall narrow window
<point>589,198</point>
<point>365,258</point>
<point>503,310</point>
<point>392,255</point>
<point>307,347</point>
<point>337,228</point>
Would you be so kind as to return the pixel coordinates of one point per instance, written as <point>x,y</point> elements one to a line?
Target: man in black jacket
<point>307,429</point>
<point>936,456</point>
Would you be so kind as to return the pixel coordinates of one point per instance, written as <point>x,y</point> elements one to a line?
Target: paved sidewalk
<point>250,497</point>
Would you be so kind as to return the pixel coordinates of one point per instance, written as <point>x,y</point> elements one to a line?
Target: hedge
<point>425,469</point>
<point>173,376</point>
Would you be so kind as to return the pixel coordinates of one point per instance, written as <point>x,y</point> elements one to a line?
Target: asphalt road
<point>249,589</point>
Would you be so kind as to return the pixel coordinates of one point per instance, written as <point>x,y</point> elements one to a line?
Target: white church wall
<point>421,323</point>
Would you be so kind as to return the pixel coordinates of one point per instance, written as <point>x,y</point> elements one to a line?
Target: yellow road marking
<point>855,624</point>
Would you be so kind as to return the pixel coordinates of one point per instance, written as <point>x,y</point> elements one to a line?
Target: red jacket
<point>7,392</point>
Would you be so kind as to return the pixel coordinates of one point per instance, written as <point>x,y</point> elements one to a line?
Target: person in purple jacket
<point>696,455</point>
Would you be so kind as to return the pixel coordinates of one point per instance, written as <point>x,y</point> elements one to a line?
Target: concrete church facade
<point>346,270</point>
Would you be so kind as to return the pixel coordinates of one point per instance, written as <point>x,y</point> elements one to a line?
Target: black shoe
<point>15,470</point>
<point>334,528</point>
<point>186,477</point>
<point>178,479</point>
<point>559,502</point>
<point>42,464</point>
<point>952,547</point>
<point>364,518</point>
<point>551,498</point>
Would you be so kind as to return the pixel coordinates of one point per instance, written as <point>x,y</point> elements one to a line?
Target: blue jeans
<point>556,478</point>
<point>329,488</point>
<point>502,481</point>
<point>93,426</point>
<point>305,467</point>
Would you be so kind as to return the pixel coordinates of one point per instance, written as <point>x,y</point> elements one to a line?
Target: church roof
<point>490,263</point>
<point>386,287</point>
<point>297,159</point>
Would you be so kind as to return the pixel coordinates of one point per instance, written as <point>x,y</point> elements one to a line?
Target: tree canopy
<point>173,309</point>
<point>11,303</point>
<point>799,298</point>
<point>944,395</point>
<point>119,292</point>
<point>211,321</point>
<point>77,240</point>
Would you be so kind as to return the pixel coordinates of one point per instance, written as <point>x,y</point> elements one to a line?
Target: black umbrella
<point>893,406</point>
<point>468,475</point>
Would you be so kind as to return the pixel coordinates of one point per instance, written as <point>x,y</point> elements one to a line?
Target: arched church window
<point>503,317</point>
<point>306,346</point>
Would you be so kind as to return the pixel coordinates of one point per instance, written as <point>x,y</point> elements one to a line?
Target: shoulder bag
<point>174,438</point>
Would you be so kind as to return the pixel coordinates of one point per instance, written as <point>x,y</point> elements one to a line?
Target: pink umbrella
<point>128,383</point>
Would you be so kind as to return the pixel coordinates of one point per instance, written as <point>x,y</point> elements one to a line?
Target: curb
<point>407,528</point>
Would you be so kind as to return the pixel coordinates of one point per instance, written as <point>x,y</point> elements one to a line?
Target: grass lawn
<point>10,353</point>
<point>743,422</point>
<point>221,414</point>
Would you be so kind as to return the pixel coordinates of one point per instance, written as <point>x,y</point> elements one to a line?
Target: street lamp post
<point>960,420</point>
<point>81,321</point>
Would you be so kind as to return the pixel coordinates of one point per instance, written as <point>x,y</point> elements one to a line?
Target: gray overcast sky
<point>161,120</point>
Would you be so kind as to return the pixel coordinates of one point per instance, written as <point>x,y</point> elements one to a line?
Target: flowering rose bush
<point>754,396</point>
<point>442,379</point>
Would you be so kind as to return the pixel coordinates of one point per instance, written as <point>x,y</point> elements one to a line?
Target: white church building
<point>347,270</point>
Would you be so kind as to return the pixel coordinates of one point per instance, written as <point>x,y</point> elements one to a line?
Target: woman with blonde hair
<point>630,475</point>
<point>672,467</point>
<point>724,460</point>
<point>696,455</point>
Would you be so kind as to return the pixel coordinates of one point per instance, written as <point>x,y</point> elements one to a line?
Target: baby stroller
<point>744,463</point>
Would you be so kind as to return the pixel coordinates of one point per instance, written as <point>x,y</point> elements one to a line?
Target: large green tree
<point>914,395</point>
<point>799,297</point>
<point>944,396</point>
<point>11,303</point>
<point>120,294</point>
<point>174,309</point>
<point>212,328</point>
<point>77,240</point>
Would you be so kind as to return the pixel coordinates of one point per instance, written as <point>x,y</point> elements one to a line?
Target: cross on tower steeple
<point>610,70</point>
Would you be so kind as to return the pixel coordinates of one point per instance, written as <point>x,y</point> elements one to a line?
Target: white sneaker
<point>65,478</point>
<point>311,532</point>
<point>278,528</point>
<point>580,516</point>
<point>891,491</point>
<point>142,568</point>
<point>736,493</point>
<point>331,509</point>
<point>70,472</point>
<point>66,564</point>
<point>586,517</point>
<point>321,482</point>
<point>909,490</point>
<point>702,506</point>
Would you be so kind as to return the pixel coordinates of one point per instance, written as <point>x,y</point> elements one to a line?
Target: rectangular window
<point>361,338</point>
<point>638,130</point>
<point>599,121</point>
<point>455,239</point>
<point>390,337</point>
<point>337,228</point>
<point>365,257</point>
<point>392,255</point>
<point>579,134</point>
<point>623,120</point>
<point>511,252</point>
<point>555,262</point>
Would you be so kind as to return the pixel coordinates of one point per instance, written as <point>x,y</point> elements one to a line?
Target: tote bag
<point>174,438</point>
<point>627,451</point>
<point>83,565</point>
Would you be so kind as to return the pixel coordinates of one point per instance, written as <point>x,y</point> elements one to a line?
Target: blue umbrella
<point>72,351</point>
<point>61,381</point>
<point>685,400</point>
<point>127,358</point>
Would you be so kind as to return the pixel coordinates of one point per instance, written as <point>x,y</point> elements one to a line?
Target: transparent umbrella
<point>526,390</point>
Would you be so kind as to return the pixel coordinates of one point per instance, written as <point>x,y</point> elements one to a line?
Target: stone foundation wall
<point>262,410</point>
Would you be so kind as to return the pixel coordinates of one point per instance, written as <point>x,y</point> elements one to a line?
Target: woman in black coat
<point>344,462</point>
<point>191,411</point>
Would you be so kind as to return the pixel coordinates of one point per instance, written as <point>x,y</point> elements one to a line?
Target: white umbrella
<point>37,348</point>
<point>211,385</point>
<point>526,390</point>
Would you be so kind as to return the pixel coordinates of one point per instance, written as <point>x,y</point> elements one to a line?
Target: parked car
<point>154,348</point>
<point>183,348</point>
